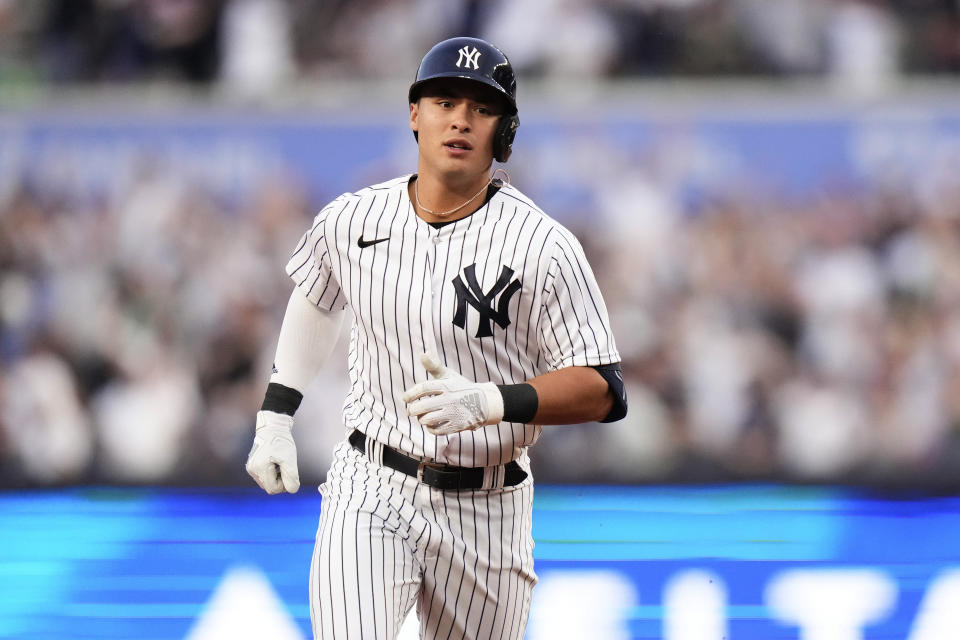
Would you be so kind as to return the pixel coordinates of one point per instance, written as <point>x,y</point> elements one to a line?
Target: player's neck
<point>438,200</point>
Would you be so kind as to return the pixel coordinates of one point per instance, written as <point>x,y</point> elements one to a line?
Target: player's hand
<point>450,403</point>
<point>273,459</point>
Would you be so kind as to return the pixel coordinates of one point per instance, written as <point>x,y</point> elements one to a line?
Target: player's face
<point>455,120</point>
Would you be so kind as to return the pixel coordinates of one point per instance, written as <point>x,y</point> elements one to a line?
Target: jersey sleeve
<point>574,328</point>
<point>310,265</point>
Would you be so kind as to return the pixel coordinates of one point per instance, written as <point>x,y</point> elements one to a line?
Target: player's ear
<point>414,115</point>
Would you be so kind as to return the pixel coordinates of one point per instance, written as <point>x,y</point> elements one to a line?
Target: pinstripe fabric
<point>404,300</point>
<point>386,543</point>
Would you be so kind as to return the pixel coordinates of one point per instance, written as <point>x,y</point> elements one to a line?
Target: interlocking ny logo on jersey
<point>471,293</point>
<point>469,56</point>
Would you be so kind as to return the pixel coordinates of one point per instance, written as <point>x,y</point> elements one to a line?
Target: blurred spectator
<point>564,38</point>
<point>931,34</point>
<point>787,34</point>
<point>144,418</point>
<point>46,428</point>
<point>863,46</point>
<point>257,52</point>
<point>823,431</point>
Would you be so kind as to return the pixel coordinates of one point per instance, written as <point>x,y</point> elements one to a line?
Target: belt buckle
<point>423,464</point>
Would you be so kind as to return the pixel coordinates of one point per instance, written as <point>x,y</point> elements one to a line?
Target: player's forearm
<point>571,396</point>
<point>307,337</point>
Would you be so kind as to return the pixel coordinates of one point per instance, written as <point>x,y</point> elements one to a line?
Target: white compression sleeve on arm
<point>307,337</point>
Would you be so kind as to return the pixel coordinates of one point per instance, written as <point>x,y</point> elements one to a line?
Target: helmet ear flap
<point>503,137</point>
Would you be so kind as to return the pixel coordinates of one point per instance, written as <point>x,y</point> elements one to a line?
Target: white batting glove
<point>450,403</point>
<point>273,459</point>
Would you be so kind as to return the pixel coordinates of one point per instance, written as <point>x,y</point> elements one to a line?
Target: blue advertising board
<point>672,563</point>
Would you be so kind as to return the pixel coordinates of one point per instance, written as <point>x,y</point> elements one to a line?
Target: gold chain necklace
<point>440,214</point>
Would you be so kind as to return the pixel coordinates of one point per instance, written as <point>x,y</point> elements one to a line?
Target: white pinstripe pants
<point>386,542</point>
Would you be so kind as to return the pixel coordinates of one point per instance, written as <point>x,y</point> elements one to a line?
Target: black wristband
<point>281,399</point>
<point>520,402</point>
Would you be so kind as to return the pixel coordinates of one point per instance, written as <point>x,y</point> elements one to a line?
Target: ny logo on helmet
<point>468,57</point>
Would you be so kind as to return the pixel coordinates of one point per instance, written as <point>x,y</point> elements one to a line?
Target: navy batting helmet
<point>475,59</point>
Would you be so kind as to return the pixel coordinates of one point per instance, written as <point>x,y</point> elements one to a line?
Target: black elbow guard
<point>614,377</point>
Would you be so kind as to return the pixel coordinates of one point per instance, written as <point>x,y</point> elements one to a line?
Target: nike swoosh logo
<point>367,243</point>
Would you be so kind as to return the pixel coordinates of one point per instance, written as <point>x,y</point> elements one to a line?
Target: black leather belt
<point>438,475</point>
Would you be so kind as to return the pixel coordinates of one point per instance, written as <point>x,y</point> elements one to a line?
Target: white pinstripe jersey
<point>502,295</point>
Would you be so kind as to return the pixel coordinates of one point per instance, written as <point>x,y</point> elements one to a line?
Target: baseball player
<point>476,320</point>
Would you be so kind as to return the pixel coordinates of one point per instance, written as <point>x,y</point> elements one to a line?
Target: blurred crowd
<point>259,46</point>
<point>810,340</point>
<point>133,328</point>
<point>813,339</point>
